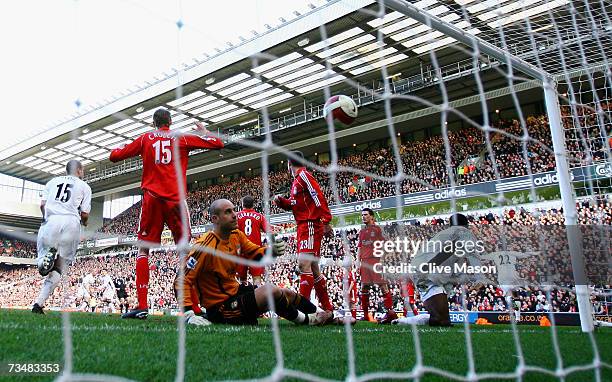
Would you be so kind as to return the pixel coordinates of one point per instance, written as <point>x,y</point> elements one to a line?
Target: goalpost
<point>553,111</point>
<point>560,126</point>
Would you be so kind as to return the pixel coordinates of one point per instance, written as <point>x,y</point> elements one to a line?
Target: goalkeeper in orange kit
<point>214,278</point>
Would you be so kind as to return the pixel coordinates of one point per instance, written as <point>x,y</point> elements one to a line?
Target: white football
<point>342,108</point>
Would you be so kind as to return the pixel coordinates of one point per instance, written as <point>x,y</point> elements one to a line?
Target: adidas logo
<point>368,204</point>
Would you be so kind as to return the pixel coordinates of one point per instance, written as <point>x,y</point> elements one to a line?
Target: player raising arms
<point>252,223</point>
<point>312,216</point>
<point>161,201</point>
<point>65,206</point>
<point>368,235</point>
<point>227,301</point>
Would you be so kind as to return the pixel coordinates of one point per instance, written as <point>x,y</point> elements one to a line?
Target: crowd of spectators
<point>509,153</point>
<point>423,162</point>
<point>588,132</point>
<point>19,285</point>
<point>125,223</point>
<point>16,248</point>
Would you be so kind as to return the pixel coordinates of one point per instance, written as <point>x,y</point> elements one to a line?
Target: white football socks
<point>53,278</point>
<point>421,319</point>
<point>300,319</point>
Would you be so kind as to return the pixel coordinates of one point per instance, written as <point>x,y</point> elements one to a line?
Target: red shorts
<point>309,236</point>
<point>242,271</point>
<point>353,296</point>
<point>157,211</point>
<point>368,275</point>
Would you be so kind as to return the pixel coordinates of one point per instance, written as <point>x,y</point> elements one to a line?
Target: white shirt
<point>431,253</point>
<point>107,283</point>
<point>88,280</point>
<point>506,265</point>
<point>66,195</point>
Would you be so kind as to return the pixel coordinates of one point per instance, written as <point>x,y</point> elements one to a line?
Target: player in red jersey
<point>407,292</point>
<point>352,292</point>
<point>161,202</point>
<point>368,235</point>
<point>252,223</point>
<point>312,216</point>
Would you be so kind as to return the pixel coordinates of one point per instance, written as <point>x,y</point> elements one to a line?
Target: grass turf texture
<point>147,350</point>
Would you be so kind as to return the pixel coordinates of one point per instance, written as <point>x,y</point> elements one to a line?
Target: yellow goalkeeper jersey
<point>213,277</point>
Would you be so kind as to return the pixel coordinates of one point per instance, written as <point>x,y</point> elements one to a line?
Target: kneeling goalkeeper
<point>211,271</point>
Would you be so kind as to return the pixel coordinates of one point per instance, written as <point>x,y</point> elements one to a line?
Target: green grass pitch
<point>147,350</point>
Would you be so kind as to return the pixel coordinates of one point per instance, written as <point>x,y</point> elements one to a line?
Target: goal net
<point>499,110</point>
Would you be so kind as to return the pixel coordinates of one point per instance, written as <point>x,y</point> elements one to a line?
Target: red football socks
<point>388,301</point>
<point>365,304</point>
<point>306,284</point>
<point>142,281</point>
<point>408,293</point>
<point>320,285</point>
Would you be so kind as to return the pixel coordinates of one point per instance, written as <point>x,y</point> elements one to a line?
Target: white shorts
<point>61,232</point>
<point>109,294</point>
<point>83,293</point>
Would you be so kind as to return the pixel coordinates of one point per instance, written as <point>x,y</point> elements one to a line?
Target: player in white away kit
<point>65,205</point>
<point>505,262</point>
<point>508,277</point>
<point>433,286</point>
<point>109,293</point>
<point>84,292</point>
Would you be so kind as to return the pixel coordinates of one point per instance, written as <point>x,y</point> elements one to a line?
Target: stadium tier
<point>18,290</point>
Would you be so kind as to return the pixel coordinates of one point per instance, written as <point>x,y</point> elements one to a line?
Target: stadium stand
<point>421,160</point>
<point>16,248</point>
<point>351,187</point>
<point>19,284</point>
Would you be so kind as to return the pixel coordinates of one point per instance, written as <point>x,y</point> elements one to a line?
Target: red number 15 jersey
<point>159,175</point>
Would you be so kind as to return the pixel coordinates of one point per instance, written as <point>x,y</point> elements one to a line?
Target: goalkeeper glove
<point>278,247</point>
<point>193,319</point>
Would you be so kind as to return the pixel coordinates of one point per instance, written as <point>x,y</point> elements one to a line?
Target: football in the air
<point>342,108</point>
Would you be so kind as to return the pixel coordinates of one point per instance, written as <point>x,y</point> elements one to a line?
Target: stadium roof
<point>227,91</point>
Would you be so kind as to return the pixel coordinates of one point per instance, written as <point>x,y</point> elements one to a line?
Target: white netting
<point>513,53</point>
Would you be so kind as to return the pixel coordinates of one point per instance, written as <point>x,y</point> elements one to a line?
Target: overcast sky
<point>58,51</point>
